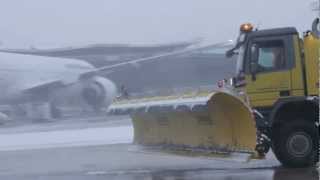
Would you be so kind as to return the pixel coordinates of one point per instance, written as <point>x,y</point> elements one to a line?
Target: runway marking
<point>95,173</point>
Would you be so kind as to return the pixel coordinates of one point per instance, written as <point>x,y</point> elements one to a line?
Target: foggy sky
<point>54,23</point>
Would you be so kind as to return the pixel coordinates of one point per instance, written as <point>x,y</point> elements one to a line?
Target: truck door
<point>268,74</point>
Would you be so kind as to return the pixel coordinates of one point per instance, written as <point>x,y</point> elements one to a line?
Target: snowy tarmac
<point>66,138</point>
<point>103,149</point>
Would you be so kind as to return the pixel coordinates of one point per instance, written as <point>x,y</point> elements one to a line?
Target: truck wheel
<point>296,144</point>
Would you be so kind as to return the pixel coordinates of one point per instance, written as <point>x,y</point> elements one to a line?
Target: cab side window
<point>271,56</point>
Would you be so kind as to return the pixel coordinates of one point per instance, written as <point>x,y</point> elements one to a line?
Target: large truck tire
<point>296,144</point>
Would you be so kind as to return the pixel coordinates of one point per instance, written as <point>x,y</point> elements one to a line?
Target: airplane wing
<point>43,86</point>
<point>104,69</point>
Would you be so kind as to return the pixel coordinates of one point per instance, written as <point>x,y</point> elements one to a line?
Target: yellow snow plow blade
<point>223,123</point>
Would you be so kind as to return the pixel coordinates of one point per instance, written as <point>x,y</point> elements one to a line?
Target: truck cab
<point>278,75</point>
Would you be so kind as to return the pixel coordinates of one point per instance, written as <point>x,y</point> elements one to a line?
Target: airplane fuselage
<point>20,72</point>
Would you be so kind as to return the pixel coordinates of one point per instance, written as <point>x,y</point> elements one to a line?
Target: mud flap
<point>222,124</point>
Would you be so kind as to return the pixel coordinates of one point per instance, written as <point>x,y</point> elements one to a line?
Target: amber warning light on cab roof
<point>247,27</point>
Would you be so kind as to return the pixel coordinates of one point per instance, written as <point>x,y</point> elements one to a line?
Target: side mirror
<point>254,53</point>
<point>254,60</point>
<point>254,70</point>
<point>254,67</point>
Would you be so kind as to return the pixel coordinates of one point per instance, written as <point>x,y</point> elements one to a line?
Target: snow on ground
<point>66,138</point>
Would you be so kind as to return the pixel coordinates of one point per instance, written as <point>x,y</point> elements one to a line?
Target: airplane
<point>40,80</point>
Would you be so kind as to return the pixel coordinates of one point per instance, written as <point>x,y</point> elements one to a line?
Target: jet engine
<point>98,92</point>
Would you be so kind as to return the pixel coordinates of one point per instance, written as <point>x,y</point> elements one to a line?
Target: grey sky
<point>45,23</point>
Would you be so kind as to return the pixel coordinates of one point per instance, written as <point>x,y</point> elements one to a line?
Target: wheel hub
<point>299,144</point>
